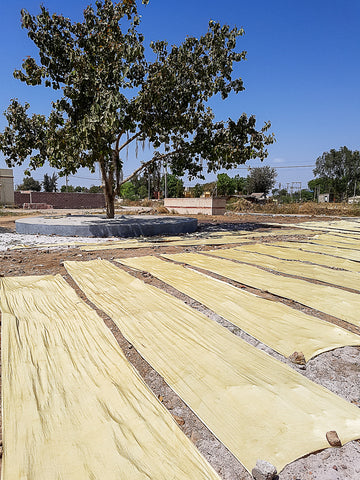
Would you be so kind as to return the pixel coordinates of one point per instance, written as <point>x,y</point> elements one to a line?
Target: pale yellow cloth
<point>258,407</point>
<point>336,240</point>
<point>303,256</point>
<point>347,253</point>
<point>73,407</point>
<point>298,268</point>
<point>215,238</point>
<point>350,227</point>
<point>275,324</point>
<point>330,300</point>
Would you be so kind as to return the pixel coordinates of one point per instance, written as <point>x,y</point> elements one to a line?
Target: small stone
<point>335,467</point>
<point>195,437</point>
<point>179,420</point>
<point>333,438</point>
<point>298,358</point>
<point>263,470</point>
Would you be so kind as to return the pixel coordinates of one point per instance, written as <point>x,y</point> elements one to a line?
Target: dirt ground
<point>338,370</point>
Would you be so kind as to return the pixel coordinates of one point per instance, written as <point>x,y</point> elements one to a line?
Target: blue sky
<point>302,71</point>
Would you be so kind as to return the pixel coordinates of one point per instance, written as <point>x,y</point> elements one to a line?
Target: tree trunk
<point>108,181</point>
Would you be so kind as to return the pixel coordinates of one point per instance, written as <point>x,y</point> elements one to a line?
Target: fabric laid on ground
<point>73,406</point>
<point>257,406</point>
<point>349,254</point>
<point>330,300</point>
<point>214,238</point>
<point>280,327</point>
<point>297,268</point>
<point>337,240</point>
<point>352,227</point>
<point>303,256</point>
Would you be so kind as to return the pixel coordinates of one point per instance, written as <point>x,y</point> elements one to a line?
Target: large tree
<point>340,170</point>
<point>261,179</point>
<point>112,96</point>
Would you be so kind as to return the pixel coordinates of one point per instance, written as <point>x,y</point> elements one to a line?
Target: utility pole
<point>165,192</point>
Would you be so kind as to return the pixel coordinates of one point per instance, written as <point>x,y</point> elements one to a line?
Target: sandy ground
<point>339,370</point>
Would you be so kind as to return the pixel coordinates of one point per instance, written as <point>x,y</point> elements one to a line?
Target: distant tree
<point>29,183</point>
<point>127,191</point>
<point>341,169</point>
<point>67,189</point>
<point>320,185</point>
<point>72,189</point>
<point>225,184</point>
<point>198,190</point>
<point>50,183</point>
<point>112,96</point>
<point>175,186</point>
<point>96,189</point>
<point>142,192</point>
<point>306,195</point>
<point>78,189</point>
<point>261,179</point>
<point>240,184</point>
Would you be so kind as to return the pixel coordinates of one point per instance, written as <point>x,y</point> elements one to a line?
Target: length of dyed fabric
<point>280,327</point>
<point>291,267</point>
<point>73,407</point>
<point>258,407</point>
<point>330,300</point>
<point>301,256</point>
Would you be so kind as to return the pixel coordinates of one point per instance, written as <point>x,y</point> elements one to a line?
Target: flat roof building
<point>6,186</point>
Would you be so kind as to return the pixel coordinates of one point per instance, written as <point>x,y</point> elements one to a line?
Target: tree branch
<point>146,164</point>
<point>118,149</point>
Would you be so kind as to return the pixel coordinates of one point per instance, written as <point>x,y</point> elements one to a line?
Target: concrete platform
<point>100,226</point>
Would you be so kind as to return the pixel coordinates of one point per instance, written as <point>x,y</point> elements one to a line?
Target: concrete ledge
<point>204,205</point>
<point>100,226</point>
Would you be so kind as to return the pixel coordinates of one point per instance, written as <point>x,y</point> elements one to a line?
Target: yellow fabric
<point>275,324</point>
<point>64,244</point>
<point>336,240</point>
<point>73,407</point>
<point>349,254</point>
<point>301,269</point>
<point>350,227</point>
<point>303,256</point>
<point>215,238</point>
<point>330,300</point>
<point>257,406</point>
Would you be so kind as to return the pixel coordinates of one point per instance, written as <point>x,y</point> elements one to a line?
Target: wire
<point>280,166</point>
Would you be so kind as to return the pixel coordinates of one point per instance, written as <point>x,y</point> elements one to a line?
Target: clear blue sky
<point>302,70</point>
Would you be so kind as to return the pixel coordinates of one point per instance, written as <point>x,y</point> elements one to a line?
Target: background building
<point>6,186</point>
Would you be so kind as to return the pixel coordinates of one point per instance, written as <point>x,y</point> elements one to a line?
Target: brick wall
<point>62,200</point>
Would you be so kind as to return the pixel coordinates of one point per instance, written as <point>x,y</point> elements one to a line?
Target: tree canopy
<point>50,182</point>
<point>339,170</point>
<point>29,183</point>
<point>261,179</point>
<point>112,96</point>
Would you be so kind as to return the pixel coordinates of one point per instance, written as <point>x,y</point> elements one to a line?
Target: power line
<point>280,166</point>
